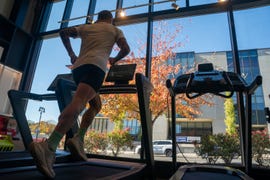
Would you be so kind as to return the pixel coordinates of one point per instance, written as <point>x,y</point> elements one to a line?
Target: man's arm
<point>124,50</point>
<point>65,34</point>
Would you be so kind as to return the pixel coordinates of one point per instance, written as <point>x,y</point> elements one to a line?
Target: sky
<point>208,33</point>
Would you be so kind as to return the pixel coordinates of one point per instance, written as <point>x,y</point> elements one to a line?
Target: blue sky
<point>207,33</point>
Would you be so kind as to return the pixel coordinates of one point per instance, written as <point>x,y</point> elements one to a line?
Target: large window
<point>53,56</point>
<point>252,31</point>
<point>178,46</point>
<point>184,43</point>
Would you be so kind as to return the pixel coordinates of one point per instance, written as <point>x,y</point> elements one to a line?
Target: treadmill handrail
<point>235,83</point>
<point>254,85</point>
<point>32,96</point>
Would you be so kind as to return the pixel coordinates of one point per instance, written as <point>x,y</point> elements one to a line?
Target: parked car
<point>161,147</point>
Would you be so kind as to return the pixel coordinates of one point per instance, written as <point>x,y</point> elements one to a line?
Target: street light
<point>41,110</point>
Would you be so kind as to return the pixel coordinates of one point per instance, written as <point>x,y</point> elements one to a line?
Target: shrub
<point>260,147</point>
<point>95,141</point>
<point>229,147</point>
<point>213,147</point>
<point>118,139</point>
<point>207,149</point>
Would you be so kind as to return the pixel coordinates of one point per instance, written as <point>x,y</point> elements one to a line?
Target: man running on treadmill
<point>88,71</point>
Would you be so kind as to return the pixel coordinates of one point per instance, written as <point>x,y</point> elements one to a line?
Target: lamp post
<point>41,110</point>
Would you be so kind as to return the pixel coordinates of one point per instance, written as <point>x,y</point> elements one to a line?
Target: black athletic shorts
<point>89,74</point>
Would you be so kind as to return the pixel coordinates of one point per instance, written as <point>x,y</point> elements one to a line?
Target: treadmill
<point>208,80</point>
<point>95,168</point>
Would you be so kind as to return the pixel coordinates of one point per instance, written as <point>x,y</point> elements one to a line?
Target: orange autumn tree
<point>120,106</point>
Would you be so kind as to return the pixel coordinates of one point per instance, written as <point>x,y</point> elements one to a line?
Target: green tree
<point>118,139</point>
<point>46,127</point>
<point>230,118</point>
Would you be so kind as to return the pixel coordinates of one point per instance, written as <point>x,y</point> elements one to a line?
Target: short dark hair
<point>105,14</point>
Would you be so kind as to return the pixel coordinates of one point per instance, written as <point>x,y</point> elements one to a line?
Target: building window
<point>193,128</point>
<point>100,124</point>
<point>249,67</point>
<point>186,60</point>
<point>133,126</point>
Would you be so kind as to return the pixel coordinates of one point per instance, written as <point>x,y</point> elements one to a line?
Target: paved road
<point>185,157</point>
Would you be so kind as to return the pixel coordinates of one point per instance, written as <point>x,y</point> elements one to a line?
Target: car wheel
<point>168,153</point>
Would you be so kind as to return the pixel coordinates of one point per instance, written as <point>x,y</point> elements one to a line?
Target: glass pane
<point>56,63</point>
<point>122,129</point>
<point>191,41</point>
<point>54,60</point>
<point>42,118</point>
<point>251,34</point>
<point>103,125</point>
<point>183,42</point>
<point>136,38</point>
<point>79,9</point>
<point>56,15</point>
<point>252,27</point>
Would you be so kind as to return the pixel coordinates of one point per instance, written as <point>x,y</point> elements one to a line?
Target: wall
<point>9,79</point>
<point>264,64</point>
<point>6,7</point>
<point>160,128</point>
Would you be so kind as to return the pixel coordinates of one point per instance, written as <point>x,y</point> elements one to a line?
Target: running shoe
<point>76,148</point>
<point>43,157</point>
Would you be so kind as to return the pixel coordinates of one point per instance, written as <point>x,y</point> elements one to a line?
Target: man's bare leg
<point>76,144</point>
<point>89,115</point>
<point>44,152</point>
<point>68,117</point>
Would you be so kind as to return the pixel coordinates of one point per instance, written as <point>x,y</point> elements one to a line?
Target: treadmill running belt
<point>80,171</point>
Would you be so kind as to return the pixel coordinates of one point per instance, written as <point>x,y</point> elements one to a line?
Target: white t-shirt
<point>97,43</point>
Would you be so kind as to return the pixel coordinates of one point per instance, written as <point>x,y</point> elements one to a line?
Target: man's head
<point>105,16</point>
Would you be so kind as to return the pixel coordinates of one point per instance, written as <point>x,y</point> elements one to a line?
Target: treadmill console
<point>206,74</point>
<point>206,80</point>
